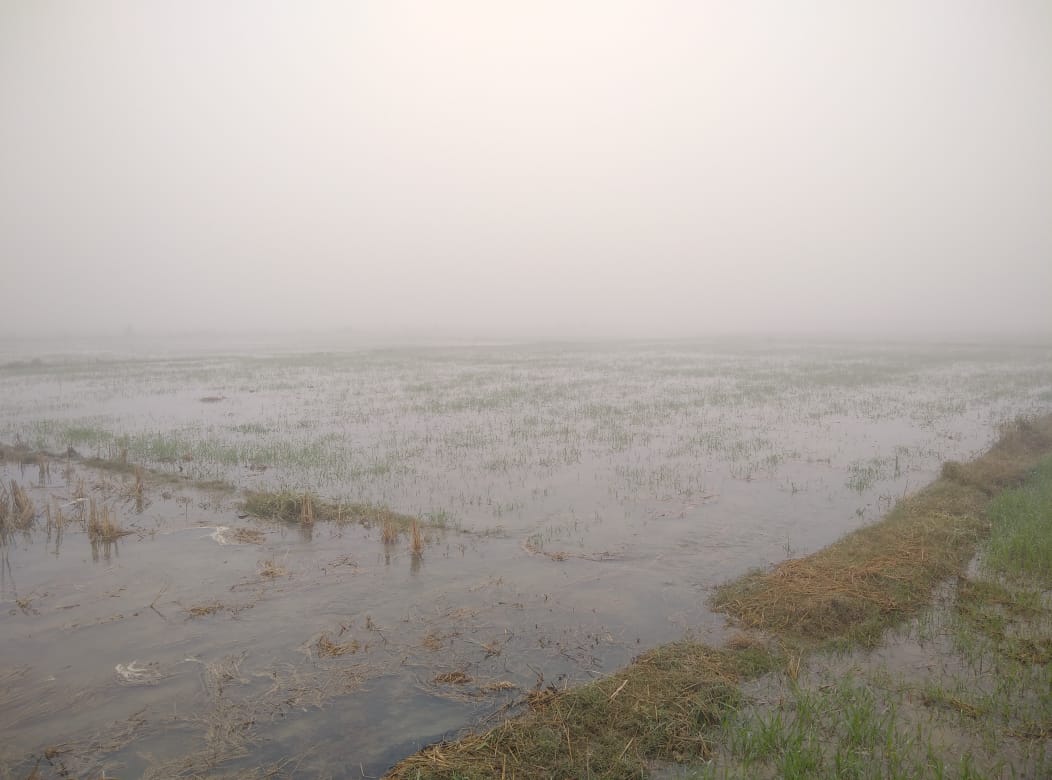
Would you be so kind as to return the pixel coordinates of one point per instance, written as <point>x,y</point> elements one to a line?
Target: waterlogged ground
<point>581,501</point>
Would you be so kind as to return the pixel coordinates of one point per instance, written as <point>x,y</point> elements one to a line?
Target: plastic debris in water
<point>134,674</point>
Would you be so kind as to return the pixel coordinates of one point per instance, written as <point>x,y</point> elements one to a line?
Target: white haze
<point>544,169</point>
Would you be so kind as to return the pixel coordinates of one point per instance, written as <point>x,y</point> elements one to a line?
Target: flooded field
<point>576,504</point>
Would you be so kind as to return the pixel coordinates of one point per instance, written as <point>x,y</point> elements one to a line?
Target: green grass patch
<point>294,507</point>
<point>1005,603</point>
<point>839,730</point>
<point>1021,529</point>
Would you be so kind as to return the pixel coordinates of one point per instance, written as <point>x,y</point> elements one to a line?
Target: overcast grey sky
<point>536,168</point>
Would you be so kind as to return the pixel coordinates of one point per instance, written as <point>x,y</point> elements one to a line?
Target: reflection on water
<point>104,550</point>
<point>8,591</point>
<point>175,635</point>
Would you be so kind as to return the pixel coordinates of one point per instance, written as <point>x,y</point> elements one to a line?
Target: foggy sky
<point>535,168</point>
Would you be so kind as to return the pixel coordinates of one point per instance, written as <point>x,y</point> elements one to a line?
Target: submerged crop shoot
<point>573,503</point>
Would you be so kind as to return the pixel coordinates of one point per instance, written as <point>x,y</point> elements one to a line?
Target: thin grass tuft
<point>23,510</point>
<point>5,513</point>
<point>103,525</point>
<point>389,532</point>
<point>416,538</point>
<point>307,510</point>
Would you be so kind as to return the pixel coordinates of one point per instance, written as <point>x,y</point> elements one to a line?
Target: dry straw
<point>328,648</point>
<point>884,572</point>
<point>416,538</point>
<point>657,708</point>
<point>271,569</point>
<point>23,510</point>
<point>307,510</point>
<point>103,525</point>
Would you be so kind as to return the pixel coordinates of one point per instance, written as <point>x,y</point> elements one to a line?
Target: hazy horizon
<point>545,171</point>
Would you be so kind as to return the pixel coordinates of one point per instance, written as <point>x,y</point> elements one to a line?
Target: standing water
<point>574,505</point>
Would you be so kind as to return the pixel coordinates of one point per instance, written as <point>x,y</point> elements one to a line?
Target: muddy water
<point>590,497</point>
<point>106,637</point>
<point>100,639</point>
